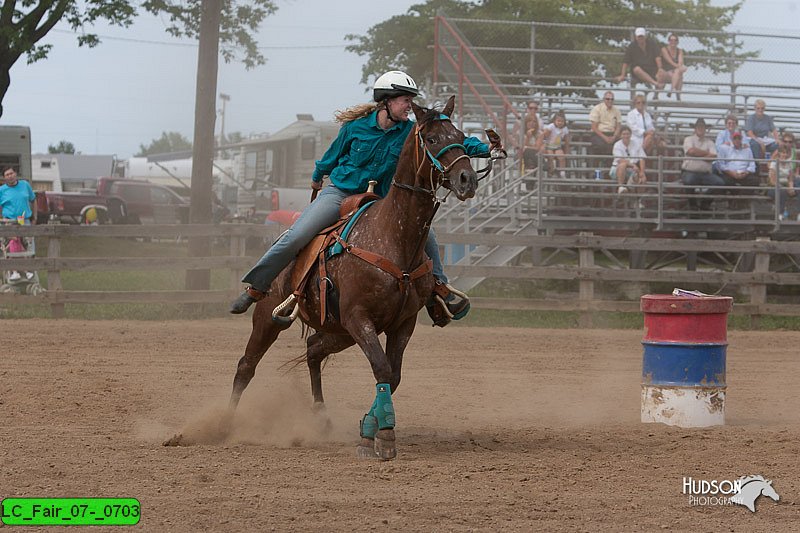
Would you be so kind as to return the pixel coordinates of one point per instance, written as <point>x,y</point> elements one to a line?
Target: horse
<point>751,488</point>
<point>372,299</point>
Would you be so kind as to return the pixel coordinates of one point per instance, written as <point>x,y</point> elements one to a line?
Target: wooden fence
<point>54,264</point>
<point>583,269</point>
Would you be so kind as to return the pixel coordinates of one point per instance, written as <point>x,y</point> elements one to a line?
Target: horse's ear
<point>449,106</point>
<point>418,112</point>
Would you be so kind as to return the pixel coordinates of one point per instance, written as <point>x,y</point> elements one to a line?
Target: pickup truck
<point>79,208</point>
<point>116,201</point>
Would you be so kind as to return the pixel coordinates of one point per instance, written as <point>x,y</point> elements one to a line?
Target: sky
<point>140,81</point>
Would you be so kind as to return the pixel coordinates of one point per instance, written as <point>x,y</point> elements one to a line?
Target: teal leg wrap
<point>384,409</point>
<point>369,424</point>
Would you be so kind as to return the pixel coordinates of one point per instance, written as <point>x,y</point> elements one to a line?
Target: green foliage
<point>63,147</point>
<point>23,23</point>
<point>405,41</point>
<point>168,142</point>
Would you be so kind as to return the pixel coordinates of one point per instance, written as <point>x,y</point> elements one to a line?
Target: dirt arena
<point>498,429</point>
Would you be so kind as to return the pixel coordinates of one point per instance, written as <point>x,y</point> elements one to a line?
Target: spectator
<point>555,138</point>
<point>672,59</point>
<point>643,56</point>
<point>697,172</point>
<point>17,198</point>
<point>529,138</point>
<point>606,121</point>
<point>783,172</point>
<point>628,165</point>
<point>725,137</point>
<point>736,163</point>
<point>641,124</point>
<point>762,132</point>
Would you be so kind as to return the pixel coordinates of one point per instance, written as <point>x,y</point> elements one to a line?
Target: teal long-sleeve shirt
<point>364,151</point>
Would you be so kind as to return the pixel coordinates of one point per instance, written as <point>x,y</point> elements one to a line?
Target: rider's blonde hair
<point>352,113</point>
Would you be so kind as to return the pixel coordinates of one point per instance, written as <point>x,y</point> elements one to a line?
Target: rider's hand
<point>316,185</point>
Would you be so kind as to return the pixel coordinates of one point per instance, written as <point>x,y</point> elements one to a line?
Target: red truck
<point>116,201</point>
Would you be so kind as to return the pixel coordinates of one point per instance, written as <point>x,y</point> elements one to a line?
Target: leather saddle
<point>314,252</point>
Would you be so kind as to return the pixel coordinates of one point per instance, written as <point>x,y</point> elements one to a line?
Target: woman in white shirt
<point>641,124</point>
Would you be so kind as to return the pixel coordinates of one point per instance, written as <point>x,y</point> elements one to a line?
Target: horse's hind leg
<point>318,347</point>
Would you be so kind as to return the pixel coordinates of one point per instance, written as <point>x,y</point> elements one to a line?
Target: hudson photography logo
<point>742,491</point>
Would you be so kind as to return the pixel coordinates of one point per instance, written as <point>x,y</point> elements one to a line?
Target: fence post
<point>585,286</point>
<point>54,276</point>
<point>758,291</point>
<point>238,248</point>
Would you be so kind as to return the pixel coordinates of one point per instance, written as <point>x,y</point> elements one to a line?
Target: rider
<point>367,148</point>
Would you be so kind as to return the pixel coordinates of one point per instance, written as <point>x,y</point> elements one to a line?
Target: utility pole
<point>205,114</point>
<point>225,98</point>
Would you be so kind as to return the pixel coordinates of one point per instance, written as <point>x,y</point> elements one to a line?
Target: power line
<point>194,45</point>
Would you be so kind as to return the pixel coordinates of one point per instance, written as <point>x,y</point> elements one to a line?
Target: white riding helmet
<point>393,83</point>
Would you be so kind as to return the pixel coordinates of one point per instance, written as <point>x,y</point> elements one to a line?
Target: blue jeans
<point>756,148</point>
<point>320,214</point>
<point>783,195</point>
<point>701,179</point>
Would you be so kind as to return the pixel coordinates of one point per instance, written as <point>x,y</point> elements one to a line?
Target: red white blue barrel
<point>683,368</point>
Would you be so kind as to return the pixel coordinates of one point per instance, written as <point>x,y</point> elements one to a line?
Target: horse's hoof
<point>175,440</point>
<point>385,447</point>
<point>366,449</point>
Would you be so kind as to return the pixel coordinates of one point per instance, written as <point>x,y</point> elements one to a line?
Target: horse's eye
<point>432,139</point>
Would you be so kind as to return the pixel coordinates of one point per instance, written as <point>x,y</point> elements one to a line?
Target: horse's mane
<point>429,116</point>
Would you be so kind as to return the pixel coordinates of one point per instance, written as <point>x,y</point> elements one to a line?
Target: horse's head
<point>445,161</point>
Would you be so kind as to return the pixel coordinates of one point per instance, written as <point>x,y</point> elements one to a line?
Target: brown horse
<point>370,299</point>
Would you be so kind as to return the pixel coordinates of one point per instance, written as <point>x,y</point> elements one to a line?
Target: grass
<point>174,280</point>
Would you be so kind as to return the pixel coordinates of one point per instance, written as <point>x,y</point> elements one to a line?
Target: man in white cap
<point>643,56</point>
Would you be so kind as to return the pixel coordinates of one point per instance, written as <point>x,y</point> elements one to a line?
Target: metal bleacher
<point>522,202</point>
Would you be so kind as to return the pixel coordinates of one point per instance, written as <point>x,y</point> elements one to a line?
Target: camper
<point>274,172</point>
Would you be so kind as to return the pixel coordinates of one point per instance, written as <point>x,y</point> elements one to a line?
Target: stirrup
<point>279,315</point>
<point>442,311</point>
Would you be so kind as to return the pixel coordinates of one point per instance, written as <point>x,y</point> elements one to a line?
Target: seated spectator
<point>672,59</point>
<point>641,124</point>
<point>697,172</point>
<point>783,171</point>
<point>643,56</point>
<point>628,165</point>
<point>762,132</point>
<point>526,135</point>
<point>725,137</point>
<point>736,163</point>
<point>606,121</point>
<point>555,138</point>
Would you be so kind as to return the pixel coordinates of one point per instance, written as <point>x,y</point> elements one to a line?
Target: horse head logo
<point>751,488</point>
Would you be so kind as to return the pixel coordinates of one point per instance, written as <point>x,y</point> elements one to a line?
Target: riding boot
<point>245,300</point>
<point>444,305</point>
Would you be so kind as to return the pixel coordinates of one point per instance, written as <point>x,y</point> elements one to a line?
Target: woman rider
<point>367,148</point>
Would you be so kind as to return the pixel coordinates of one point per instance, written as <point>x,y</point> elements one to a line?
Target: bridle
<point>438,172</point>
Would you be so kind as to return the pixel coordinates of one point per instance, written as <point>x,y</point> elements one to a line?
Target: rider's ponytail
<point>352,113</point>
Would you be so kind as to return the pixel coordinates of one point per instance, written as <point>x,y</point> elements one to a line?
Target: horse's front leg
<point>378,424</point>
<point>396,342</point>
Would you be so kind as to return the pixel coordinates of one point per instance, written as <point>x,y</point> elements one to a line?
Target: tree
<point>63,147</point>
<point>23,23</point>
<point>406,41</point>
<point>168,142</point>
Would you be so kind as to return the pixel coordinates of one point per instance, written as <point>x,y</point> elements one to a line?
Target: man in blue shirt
<point>736,163</point>
<point>367,148</point>
<point>17,198</point>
